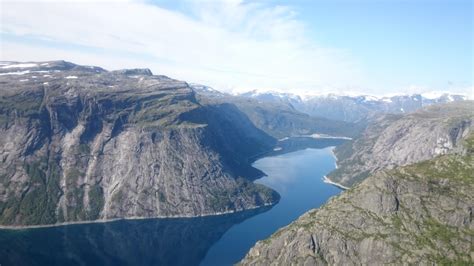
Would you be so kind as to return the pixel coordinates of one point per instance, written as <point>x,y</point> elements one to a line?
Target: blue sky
<point>425,42</point>
<point>376,47</point>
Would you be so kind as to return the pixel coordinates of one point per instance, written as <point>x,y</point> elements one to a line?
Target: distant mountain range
<point>352,108</point>
<point>277,119</point>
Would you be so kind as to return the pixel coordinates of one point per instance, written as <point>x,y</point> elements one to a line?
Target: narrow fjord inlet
<point>213,240</point>
<point>236,132</point>
<point>298,177</point>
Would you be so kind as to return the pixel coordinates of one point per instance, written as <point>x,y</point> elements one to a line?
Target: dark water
<point>297,176</point>
<point>216,240</point>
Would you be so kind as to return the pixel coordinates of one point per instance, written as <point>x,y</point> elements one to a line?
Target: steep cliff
<point>394,140</point>
<point>82,143</point>
<point>416,214</point>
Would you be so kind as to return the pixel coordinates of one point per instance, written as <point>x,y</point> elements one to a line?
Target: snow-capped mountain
<point>203,88</point>
<point>352,108</point>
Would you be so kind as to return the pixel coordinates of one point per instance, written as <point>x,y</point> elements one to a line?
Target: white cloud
<point>228,44</point>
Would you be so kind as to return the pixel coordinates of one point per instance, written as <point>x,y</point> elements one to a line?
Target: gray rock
<point>81,143</point>
<point>394,140</point>
<point>415,214</point>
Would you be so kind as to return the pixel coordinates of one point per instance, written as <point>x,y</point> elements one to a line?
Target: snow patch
<point>432,95</point>
<point>15,73</point>
<point>325,136</point>
<point>369,98</point>
<point>328,181</point>
<point>71,77</point>
<point>20,66</point>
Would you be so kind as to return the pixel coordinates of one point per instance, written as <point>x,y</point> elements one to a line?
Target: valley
<point>97,156</point>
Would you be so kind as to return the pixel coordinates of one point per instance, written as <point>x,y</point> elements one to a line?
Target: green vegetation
<point>84,149</point>
<point>37,205</point>
<point>458,167</point>
<point>222,200</point>
<point>161,110</point>
<point>73,176</point>
<point>161,196</point>
<point>96,202</point>
<point>20,105</point>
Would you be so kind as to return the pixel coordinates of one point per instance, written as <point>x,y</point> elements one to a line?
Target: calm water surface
<point>297,176</point>
<point>216,240</point>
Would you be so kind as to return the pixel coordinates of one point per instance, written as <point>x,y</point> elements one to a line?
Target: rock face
<point>417,214</point>
<point>394,140</point>
<point>81,143</point>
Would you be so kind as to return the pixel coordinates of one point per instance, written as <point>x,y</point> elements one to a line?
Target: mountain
<point>81,143</point>
<point>352,108</point>
<point>277,119</point>
<point>415,214</point>
<point>394,140</point>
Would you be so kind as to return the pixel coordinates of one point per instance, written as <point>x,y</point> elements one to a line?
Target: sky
<point>370,46</point>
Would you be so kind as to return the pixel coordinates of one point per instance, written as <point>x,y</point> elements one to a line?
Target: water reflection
<point>225,239</point>
<point>297,176</point>
<point>128,242</point>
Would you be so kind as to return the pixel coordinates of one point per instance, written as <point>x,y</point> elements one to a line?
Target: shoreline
<point>335,157</point>
<point>25,227</point>
<point>251,159</point>
<point>325,136</point>
<point>328,181</point>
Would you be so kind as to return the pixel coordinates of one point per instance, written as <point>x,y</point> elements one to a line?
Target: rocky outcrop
<point>394,140</point>
<point>419,214</point>
<point>81,143</point>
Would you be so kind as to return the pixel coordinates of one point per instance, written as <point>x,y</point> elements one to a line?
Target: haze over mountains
<point>349,107</point>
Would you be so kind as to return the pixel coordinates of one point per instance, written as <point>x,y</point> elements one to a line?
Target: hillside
<point>277,119</point>
<point>394,140</point>
<point>82,143</point>
<point>416,214</point>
